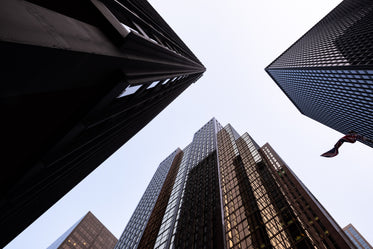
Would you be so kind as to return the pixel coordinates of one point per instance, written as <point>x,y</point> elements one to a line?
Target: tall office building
<point>224,191</point>
<point>88,232</point>
<point>328,72</point>
<point>358,239</point>
<point>79,79</point>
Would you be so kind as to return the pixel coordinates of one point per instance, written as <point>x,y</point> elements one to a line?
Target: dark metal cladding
<point>328,72</point>
<point>79,79</point>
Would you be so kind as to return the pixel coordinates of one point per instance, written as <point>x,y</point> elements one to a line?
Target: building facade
<point>328,72</point>
<point>358,239</point>
<point>224,191</point>
<point>79,79</point>
<point>88,232</point>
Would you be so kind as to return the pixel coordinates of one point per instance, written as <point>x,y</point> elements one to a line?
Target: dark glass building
<point>358,239</point>
<point>88,232</point>
<point>79,79</point>
<point>224,191</point>
<point>328,72</point>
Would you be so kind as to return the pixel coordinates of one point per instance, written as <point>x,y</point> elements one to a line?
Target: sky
<point>235,40</point>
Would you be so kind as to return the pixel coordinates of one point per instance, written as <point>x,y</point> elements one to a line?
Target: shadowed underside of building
<point>79,79</point>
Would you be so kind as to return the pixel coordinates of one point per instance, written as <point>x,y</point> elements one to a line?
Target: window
<point>129,90</point>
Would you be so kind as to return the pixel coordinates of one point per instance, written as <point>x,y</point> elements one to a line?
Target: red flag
<point>350,138</point>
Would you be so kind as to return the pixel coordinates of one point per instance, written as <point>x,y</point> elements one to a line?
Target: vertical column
<point>231,197</point>
<point>151,231</point>
<point>166,232</point>
<point>199,222</point>
<point>133,232</point>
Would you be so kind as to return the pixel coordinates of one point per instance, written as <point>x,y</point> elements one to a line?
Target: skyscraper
<point>224,191</point>
<point>359,241</point>
<point>88,232</point>
<point>328,72</point>
<point>79,79</point>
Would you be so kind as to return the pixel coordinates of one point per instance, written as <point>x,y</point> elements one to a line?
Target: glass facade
<point>169,218</point>
<point>224,191</point>
<point>131,236</point>
<point>328,72</point>
<point>359,241</point>
<point>88,232</point>
<point>314,221</point>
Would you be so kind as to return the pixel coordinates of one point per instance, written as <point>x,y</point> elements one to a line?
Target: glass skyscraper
<point>224,191</point>
<point>328,72</point>
<point>88,232</point>
<point>359,241</point>
<point>79,79</point>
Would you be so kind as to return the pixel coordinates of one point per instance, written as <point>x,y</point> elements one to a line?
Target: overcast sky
<point>235,40</point>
